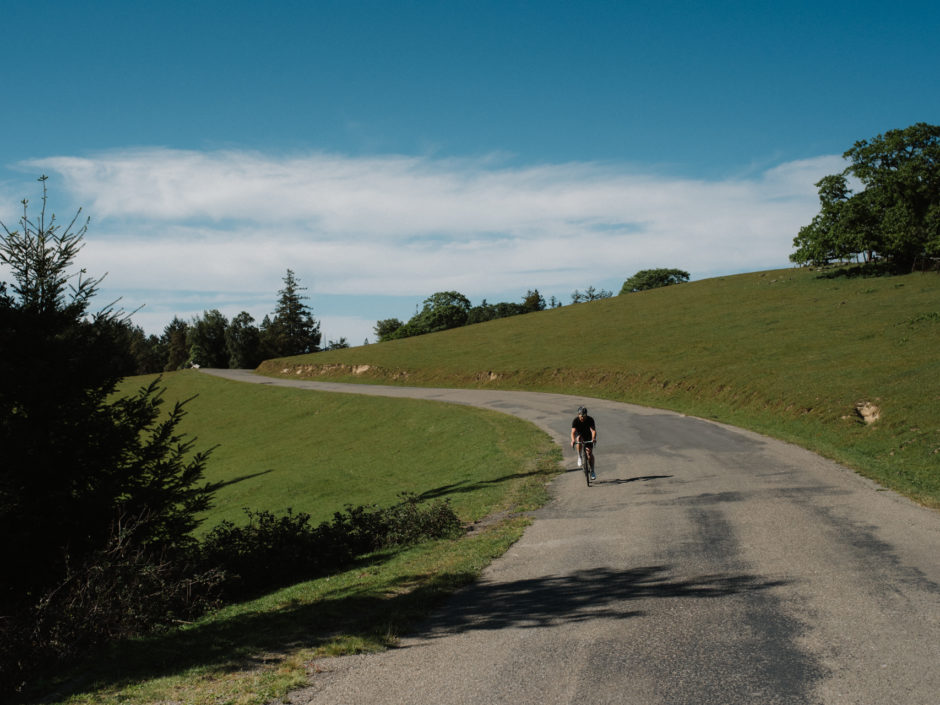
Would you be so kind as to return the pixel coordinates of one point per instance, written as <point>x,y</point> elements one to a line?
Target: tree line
<point>211,340</point>
<point>451,309</point>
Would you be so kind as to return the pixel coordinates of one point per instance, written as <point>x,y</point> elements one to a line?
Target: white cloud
<point>231,221</point>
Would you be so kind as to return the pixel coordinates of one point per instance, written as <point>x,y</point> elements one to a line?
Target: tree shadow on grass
<point>242,478</point>
<point>243,640</point>
<point>473,486</point>
<point>862,271</point>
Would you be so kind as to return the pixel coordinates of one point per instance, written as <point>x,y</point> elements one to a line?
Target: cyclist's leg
<point>584,462</point>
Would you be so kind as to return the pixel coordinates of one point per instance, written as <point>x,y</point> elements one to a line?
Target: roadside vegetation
<point>278,455</point>
<point>123,581</point>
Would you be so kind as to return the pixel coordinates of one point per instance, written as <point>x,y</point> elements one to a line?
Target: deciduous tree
<point>207,343</point>
<point>243,342</point>
<point>386,328</point>
<point>653,279</point>
<point>896,214</point>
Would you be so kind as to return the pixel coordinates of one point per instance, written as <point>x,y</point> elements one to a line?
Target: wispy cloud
<point>229,221</point>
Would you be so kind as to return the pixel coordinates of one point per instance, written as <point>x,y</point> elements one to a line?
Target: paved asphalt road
<point>707,565</point>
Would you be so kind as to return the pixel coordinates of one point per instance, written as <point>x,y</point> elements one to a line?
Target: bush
<point>120,591</point>
<point>127,589</point>
<point>270,551</point>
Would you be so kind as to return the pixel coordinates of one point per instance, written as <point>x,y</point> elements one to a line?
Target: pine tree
<point>76,460</point>
<point>294,330</point>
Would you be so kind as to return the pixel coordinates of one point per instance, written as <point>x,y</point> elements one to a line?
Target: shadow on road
<point>601,593</point>
<point>641,478</point>
<point>227,643</point>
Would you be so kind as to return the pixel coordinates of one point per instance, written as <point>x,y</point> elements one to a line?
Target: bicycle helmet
<point>582,410</point>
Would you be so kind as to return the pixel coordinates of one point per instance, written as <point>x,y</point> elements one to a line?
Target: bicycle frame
<point>585,460</point>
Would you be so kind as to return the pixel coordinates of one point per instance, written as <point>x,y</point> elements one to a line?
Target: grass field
<point>790,353</point>
<point>316,452</point>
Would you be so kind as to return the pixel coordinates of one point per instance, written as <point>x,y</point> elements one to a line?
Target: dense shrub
<point>119,591</point>
<point>270,551</point>
<point>127,589</point>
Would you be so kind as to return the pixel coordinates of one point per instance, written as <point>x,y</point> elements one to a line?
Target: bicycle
<point>583,459</point>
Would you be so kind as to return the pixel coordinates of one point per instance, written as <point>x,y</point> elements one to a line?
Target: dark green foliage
<point>243,342</point>
<point>76,462</point>
<point>533,301</point>
<point>119,591</point>
<point>442,311</point>
<point>653,279</point>
<point>207,341</point>
<point>386,329</point>
<point>896,215</point>
<point>488,312</point>
<point>589,294</point>
<point>174,341</point>
<point>340,344</point>
<point>148,352</point>
<point>450,309</point>
<point>272,551</point>
<point>293,330</point>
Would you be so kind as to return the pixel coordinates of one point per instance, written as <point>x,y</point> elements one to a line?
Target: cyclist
<point>583,429</point>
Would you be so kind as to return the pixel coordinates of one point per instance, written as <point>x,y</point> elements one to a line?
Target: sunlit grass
<point>315,452</point>
<point>789,353</point>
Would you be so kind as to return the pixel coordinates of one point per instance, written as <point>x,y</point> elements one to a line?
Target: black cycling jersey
<point>582,428</point>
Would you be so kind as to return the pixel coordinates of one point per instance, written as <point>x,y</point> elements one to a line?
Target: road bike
<point>583,459</point>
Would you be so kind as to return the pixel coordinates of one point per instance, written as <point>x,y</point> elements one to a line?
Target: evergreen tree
<point>533,301</point>
<point>293,330</point>
<point>76,460</point>
<point>174,340</point>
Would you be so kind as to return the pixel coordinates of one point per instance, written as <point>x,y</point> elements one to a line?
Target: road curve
<point>708,565</point>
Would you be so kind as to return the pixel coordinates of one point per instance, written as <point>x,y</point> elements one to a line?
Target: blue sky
<point>388,150</point>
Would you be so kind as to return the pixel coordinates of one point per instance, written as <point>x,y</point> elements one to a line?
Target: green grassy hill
<point>795,354</point>
<point>276,449</point>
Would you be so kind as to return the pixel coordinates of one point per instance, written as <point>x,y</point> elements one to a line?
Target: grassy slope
<point>789,353</point>
<point>315,452</point>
